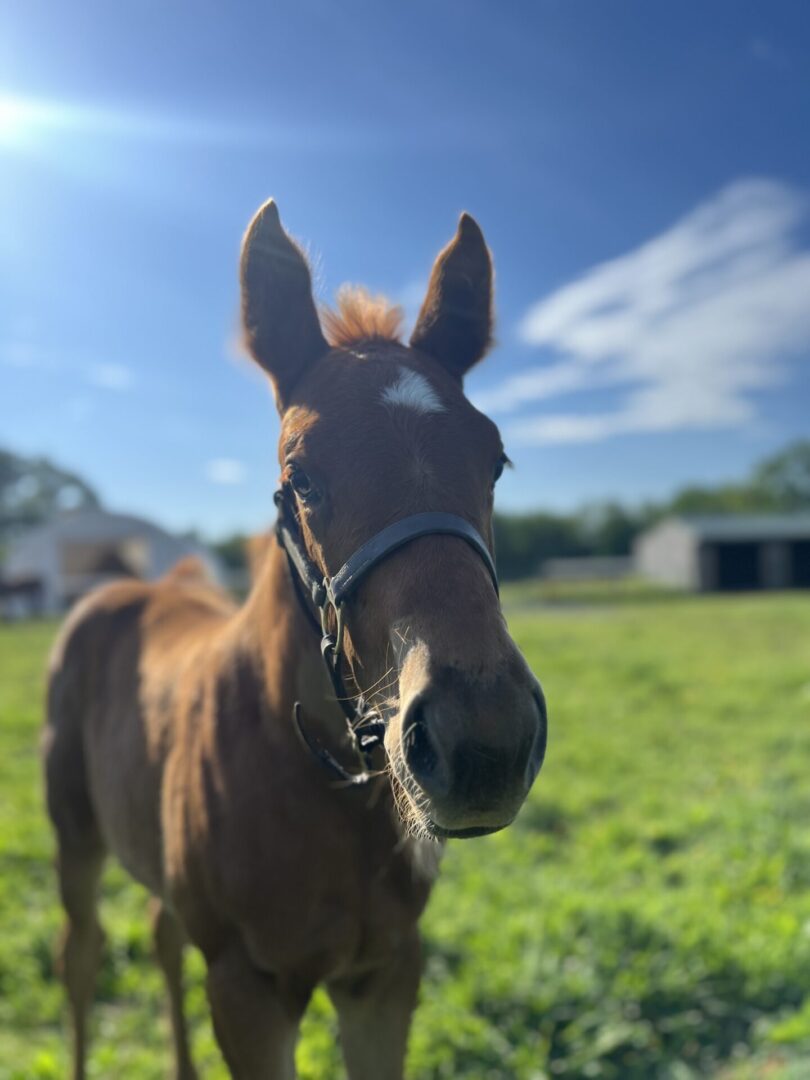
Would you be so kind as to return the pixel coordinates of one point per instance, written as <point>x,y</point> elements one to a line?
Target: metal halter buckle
<point>329,602</point>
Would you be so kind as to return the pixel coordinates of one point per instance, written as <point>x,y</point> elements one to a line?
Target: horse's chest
<point>333,920</point>
<point>328,889</point>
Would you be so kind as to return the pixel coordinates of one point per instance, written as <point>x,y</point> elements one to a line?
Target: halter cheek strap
<point>366,726</point>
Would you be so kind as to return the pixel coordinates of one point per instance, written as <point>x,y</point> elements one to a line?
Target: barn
<point>727,552</point>
<point>48,567</point>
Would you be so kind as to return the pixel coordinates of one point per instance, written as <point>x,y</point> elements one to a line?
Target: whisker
<point>371,689</point>
<point>406,733</point>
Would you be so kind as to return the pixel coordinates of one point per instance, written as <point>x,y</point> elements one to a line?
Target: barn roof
<point>95,525</point>
<point>708,527</point>
<point>96,522</point>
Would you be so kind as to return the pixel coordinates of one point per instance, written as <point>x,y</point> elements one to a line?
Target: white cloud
<point>225,471</point>
<point>687,327</point>
<point>535,385</point>
<point>24,355</point>
<point>110,376</point>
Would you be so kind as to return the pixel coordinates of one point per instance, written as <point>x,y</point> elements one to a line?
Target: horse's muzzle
<point>470,756</point>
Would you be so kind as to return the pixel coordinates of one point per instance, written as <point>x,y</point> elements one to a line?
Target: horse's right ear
<point>280,322</point>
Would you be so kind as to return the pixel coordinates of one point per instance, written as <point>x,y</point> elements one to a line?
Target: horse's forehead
<point>385,401</point>
<point>366,384</point>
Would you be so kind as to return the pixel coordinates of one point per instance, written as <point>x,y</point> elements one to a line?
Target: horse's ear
<point>280,322</point>
<point>455,323</point>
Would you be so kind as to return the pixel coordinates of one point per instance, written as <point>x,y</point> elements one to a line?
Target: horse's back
<point>110,723</point>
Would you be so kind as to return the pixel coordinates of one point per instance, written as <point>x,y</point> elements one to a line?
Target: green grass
<point>647,916</point>
<point>629,590</point>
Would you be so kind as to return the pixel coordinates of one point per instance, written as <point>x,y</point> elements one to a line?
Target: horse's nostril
<point>419,749</point>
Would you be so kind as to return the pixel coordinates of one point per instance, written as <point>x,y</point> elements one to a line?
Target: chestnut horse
<point>170,738</point>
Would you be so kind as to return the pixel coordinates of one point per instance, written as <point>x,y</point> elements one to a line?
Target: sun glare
<point>17,118</point>
<point>22,120</point>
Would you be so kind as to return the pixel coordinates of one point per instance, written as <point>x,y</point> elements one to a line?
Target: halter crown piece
<point>366,726</point>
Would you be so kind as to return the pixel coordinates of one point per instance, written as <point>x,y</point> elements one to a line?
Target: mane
<point>359,316</point>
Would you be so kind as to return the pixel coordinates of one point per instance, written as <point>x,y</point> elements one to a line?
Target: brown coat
<point>169,739</point>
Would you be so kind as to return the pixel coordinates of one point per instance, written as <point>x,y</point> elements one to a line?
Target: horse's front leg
<point>374,1011</point>
<point>255,1019</point>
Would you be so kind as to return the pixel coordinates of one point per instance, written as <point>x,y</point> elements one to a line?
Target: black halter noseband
<point>365,724</point>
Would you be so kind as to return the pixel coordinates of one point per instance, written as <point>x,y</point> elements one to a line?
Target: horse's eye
<point>503,461</point>
<point>300,482</point>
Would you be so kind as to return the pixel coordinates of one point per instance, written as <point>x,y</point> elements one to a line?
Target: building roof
<point>30,549</point>
<point>96,522</point>
<point>747,526</point>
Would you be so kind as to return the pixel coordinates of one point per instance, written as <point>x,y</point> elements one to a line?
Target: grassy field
<point>648,916</point>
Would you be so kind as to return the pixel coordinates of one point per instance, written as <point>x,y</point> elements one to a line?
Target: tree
<point>232,551</point>
<point>32,489</point>
<point>784,479</point>
<point>745,498</point>
<point>608,528</point>
<point>523,542</point>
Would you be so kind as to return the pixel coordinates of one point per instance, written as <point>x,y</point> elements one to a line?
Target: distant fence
<point>588,568</point>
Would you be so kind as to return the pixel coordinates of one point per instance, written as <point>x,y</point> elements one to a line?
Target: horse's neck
<point>275,630</point>
<point>286,646</point>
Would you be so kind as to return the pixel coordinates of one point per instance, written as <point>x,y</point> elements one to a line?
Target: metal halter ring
<point>337,637</point>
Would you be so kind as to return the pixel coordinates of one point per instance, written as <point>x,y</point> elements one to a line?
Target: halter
<point>366,726</point>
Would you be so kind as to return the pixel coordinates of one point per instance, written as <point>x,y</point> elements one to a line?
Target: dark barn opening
<point>800,564</point>
<point>738,565</point>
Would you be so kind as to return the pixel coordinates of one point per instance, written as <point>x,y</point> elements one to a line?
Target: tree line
<point>778,484</point>
<point>33,489</point>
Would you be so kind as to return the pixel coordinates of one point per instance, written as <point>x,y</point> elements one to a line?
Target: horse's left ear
<point>455,323</point>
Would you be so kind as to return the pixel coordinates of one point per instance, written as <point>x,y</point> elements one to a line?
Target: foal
<point>170,738</point>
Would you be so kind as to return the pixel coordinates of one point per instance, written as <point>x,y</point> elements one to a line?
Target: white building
<point>727,551</point>
<point>49,566</point>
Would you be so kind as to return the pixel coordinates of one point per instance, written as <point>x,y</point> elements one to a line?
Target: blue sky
<point>641,172</point>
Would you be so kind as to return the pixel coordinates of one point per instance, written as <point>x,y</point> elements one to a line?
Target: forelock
<point>359,316</point>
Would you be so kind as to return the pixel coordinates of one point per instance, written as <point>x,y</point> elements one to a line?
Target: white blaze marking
<point>414,392</point>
